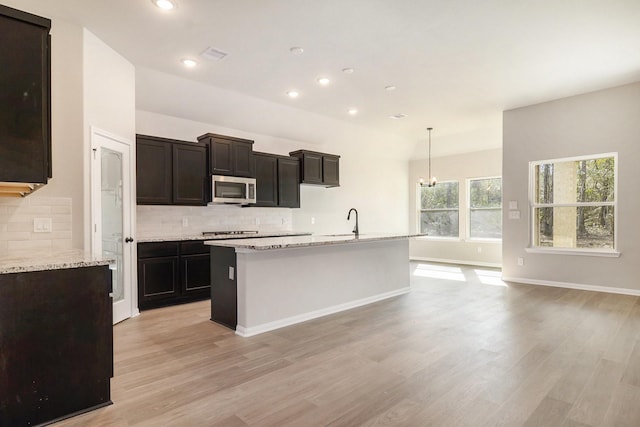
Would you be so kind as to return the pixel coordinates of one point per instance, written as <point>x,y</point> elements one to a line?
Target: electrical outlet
<point>185,222</point>
<point>520,261</point>
<point>479,249</point>
<point>42,225</point>
<point>256,221</point>
<point>313,220</point>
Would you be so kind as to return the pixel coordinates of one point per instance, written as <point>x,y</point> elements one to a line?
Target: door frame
<point>129,217</point>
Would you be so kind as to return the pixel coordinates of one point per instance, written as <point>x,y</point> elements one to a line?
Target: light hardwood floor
<point>451,353</point>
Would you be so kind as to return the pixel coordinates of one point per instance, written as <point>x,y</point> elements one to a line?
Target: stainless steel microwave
<point>233,189</point>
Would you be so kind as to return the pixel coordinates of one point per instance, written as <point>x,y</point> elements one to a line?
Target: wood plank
<point>450,353</point>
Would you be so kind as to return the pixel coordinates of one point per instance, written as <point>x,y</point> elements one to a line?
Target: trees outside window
<point>485,208</point>
<point>439,207</point>
<point>574,202</point>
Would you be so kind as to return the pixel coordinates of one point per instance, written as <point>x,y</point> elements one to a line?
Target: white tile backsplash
<point>16,223</point>
<point>158,221</point>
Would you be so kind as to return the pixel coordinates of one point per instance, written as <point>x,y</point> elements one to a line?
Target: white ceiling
<point>457,64</point>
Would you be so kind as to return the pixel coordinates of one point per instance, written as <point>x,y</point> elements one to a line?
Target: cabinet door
<point>243,159</point>
<point>331,170</point>
<point>157,281</point>
<point>25,95</point>
<point>266,168</point>
<point>189,174</point>
<point>154,169</point>
<point>288,182</point>
<point>195,275</point>
<point>312,168</point>
<point>221,156</point>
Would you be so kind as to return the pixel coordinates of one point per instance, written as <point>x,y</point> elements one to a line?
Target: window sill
<point>439,239</point>
<point>611,253</point>
<point>480,240</point>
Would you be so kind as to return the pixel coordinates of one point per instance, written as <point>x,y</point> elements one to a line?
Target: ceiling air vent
<point>213,54</point>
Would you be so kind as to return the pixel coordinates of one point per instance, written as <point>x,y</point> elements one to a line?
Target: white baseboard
<point>458,261</point>
<point>580,286</point>
<point>266,327</point>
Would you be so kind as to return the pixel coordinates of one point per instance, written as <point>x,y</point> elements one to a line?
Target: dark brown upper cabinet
<point>318,168</point>
<point>25,97</point>
<point>229,156</point>
<point>277,181</point>
<point>190,176</point>
<point>171,172</point>
<point>266,168</point>
<point>288,182</point>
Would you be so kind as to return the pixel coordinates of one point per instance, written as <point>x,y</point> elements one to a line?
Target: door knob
<point>128,239</point>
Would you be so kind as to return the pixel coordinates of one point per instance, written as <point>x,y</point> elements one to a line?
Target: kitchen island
<point>263,284</point>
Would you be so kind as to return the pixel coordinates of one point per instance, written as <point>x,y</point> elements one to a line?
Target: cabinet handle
<point>128,239</point>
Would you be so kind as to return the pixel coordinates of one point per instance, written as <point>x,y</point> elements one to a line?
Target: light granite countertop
<point>271,243</point>
<point>22,262</point>
<point>200,236</point>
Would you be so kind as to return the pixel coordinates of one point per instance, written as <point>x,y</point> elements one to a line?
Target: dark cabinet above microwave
<point>25,101</point>
<point>318,168</point>
<point>229,156</point>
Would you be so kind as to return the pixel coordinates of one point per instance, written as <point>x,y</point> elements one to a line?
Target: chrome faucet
<point>355,229</point>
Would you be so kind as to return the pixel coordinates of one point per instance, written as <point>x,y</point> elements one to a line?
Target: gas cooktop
<point>230,232</point>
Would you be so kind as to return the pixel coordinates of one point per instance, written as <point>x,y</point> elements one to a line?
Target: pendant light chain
<point>429,176</point>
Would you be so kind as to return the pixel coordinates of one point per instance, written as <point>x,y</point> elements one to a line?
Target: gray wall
<point>598,122</point>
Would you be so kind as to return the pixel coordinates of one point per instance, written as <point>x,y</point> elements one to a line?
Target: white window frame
<point>458,238</point>
<point>603,252</point>
<point>468,211</point>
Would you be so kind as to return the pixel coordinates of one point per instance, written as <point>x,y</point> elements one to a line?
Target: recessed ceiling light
<point>164,4</point>
<point>398,116</point>
<point>292,93</point>
<point>390,88</point>
<point>352,111</point>
<point>324,81</point>
<point>189,63</point>
<point>348,70</point>
<point>296,50</point>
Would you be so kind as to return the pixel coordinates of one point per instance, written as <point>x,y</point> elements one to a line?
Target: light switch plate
<point>513,204</point>
<point>514,214</point>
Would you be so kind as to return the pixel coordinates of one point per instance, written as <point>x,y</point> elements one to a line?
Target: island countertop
<point>21,262</point>
<point>271,243</point>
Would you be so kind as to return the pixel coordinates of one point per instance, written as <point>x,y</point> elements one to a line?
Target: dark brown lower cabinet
<point>56,344</point>
<point>172,273</point>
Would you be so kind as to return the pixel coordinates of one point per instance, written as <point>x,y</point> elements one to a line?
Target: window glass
<point>439,209</point>
<point>574,203</point>
<point>485,208</point>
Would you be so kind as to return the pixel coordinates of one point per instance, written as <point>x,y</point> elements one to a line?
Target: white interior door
<point>112,214</point>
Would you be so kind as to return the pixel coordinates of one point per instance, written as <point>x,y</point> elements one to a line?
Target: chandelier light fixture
<point>432,179</point>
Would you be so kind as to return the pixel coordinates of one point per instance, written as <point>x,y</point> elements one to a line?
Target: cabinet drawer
<point>157,249</point>
<point>195,247</point>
